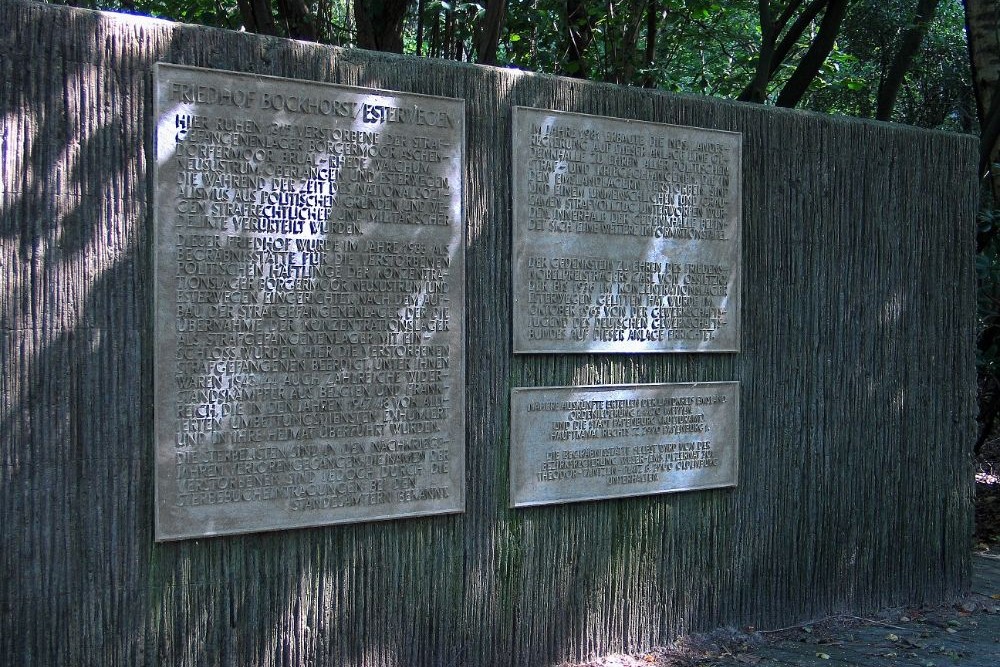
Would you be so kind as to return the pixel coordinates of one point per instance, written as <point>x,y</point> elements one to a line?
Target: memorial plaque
<point>309,304</point>
<point>626,235</point>
<point>570,444</point>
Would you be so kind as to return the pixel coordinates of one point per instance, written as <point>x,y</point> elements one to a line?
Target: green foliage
<point>215,13</point>
<point>706,47</point>
<point>332,17</point>
<point>937,90</point>
<point>988,343</point>
<point>699,46</point>
<point>988,294</point>
<point>533,36</point>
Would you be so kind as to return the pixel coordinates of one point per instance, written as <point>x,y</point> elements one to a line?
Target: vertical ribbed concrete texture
<point>856,369</point>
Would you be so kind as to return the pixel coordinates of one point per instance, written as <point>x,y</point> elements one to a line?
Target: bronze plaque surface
<point>626,235</point>
<point>309,304</point>
<point>586,443</point>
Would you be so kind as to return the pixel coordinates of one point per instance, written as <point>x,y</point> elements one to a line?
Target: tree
<point>909,44</point>
<point>488,37</point>
<point>579,35</point>
<point>258,16</point>
<point>380,24</point>
<point>860,57</point>
<point>898,60</point>
<point>772,53</point>
<point>983,27</point>
<point>811,62</point>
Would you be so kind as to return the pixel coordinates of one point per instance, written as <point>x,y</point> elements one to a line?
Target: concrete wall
<point>856,369</point>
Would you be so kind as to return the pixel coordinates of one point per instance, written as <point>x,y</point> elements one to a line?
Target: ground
<point>959,633</point>
<point>963,633</point>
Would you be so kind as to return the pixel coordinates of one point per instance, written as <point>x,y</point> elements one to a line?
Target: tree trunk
<point>489,33</point>
<point>756,90</point>
<point>380,24</point>
<point>772,52</point>
<point>818,51</point>
<point>982,23</point>
<point>652,23</point>
<point>298,20</point>
<point>421,6</point>
<point>434,48</point>
<point>791,37</point>
<point>449,31</point>
<point>622,65</point>
<point>580,36</point>
<point>257,17</point>
<point>909,44</point>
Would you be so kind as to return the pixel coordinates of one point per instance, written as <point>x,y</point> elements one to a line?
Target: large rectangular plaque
<point>571,444</point>
<point>309,304</point>
<point>626,235</point>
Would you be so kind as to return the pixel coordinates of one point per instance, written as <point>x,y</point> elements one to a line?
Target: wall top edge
<point>10,8</point>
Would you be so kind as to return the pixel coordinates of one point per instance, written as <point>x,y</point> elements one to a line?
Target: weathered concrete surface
<point>856,371</point>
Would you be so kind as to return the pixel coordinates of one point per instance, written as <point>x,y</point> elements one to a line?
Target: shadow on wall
<point>76,424</point>
<point>493,586</point>
<point>72,421</point>
<point>76,493</point>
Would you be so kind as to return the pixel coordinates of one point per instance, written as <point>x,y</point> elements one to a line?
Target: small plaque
<point>309,304</point>
<point>587,443</point>
<point>626,235</point>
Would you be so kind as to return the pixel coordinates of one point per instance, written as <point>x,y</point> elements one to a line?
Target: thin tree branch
<point>813,59</point>
<point>909,44</point>
<point>793,34</point>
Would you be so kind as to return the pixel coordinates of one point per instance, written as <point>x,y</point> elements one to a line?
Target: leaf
<point>823,656</point>
<point>515,37</point>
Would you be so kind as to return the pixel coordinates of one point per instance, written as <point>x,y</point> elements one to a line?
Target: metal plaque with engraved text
<point>571,444</point>
<point>309,304</point>
<point>626,235</point>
